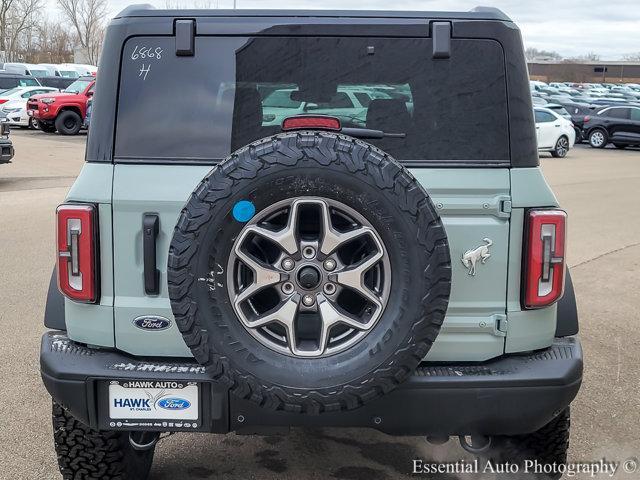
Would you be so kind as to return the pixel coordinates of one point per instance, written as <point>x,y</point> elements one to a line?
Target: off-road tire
<point>68,122</point>
<point>364,178</point>
<point>547,446</point>
<point>84,453</point>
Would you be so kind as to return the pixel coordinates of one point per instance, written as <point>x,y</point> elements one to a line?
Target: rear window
<point>236,90</point>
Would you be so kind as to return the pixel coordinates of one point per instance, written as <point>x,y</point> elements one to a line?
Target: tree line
<point>28,34</point>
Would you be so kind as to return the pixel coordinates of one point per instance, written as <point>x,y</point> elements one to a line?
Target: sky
<point>610,28</point>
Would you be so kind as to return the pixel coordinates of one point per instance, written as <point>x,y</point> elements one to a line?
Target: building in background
<point>616,71</point>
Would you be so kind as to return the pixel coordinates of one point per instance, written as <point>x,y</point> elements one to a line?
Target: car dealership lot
<point>599,189</point>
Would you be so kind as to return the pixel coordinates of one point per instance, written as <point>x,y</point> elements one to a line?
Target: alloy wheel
<point>309,277</point>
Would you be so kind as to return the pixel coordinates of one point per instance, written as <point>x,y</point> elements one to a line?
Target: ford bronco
<point>400,268</point>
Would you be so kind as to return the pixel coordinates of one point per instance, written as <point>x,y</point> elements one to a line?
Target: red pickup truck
<point>64,111</point>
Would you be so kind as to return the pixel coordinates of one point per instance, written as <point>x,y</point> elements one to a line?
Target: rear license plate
<point>143,403</point>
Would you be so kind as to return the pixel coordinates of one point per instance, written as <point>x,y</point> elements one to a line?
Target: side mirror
<point>90,93</point>
<point>310,106</point>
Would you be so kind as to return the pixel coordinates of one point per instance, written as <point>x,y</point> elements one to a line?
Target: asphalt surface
<point>599,188</point>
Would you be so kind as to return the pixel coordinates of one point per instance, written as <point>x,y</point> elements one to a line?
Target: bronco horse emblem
<point>481,253</point>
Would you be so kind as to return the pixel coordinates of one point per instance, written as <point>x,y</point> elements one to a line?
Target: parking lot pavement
<point>599,189</point>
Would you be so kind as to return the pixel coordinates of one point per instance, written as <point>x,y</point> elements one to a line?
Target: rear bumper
<point>511,395</point>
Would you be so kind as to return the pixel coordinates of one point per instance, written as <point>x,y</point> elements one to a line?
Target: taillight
<point>587,119</point>
<point>544,262</point>
<point>301,122</point>
<point>77,248</point>
<point>3,100</point>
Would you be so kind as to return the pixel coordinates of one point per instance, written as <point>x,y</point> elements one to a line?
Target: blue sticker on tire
<point>243,211</point>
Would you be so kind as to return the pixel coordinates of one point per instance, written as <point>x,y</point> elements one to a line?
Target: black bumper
<point>511,395</point>
<point>6,150</point>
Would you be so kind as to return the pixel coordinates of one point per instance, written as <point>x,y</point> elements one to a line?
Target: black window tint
<point>622,113</point>
<point>235,90</point>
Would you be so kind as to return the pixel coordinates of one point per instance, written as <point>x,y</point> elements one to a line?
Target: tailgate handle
<point>441,33</point>
<point>185,37</point>
<point>150,228</point>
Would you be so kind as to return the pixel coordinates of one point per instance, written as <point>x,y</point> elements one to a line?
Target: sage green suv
<point>401,267</point>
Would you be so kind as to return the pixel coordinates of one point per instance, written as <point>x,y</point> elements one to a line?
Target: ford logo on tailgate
<point>152,322</point>
<point>174,403</point>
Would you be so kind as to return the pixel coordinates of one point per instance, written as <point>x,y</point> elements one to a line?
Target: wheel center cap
<point>309,277</point>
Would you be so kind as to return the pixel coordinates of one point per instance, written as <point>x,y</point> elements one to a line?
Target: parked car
<point>60,83</point>
<point>13,104</point>
<point>619,125</point>
<point>538,101</point>
<point>555,134</point>
<point>55,70</point>
<point>578,111</point>
<point>29,69</point>
<point>559,109</point>
<point>535,85</point>
<point>18,93</point>
<point>62,111</point>
<point>216,274</point>
<point>6,146</point>
<point>83,70</point>
<point>347,103</point>
<point>12,80</point>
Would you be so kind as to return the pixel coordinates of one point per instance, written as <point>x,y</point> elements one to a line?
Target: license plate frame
<point>139,405</point>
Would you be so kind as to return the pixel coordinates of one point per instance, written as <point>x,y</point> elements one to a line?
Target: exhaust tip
<point>143,440</point>
<point>475,444</point>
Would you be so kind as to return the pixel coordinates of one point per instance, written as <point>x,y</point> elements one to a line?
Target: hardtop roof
<point>478,13</point>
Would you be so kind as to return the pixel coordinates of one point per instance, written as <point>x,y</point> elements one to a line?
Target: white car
<point>55,70</point>
<point>25,69</point>
<point>13,104</point>
<point>83,70</point>
<point>555,134</point>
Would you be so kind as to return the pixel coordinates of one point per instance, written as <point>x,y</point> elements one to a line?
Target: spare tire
<point>310,272</point>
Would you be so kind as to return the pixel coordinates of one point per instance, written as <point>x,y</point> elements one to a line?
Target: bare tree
<point>632,57</point>
<point>52,43</point>
<point>588,57</point>
<point>87,18</point>
<point>177,4</point>
<point>18,20</point>
<point>532,54</point>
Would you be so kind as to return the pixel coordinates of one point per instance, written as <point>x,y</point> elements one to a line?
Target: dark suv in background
<point>617,125</point>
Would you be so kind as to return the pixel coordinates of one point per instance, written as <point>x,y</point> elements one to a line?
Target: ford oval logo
<point>152,322</point>
<point>174,403</point>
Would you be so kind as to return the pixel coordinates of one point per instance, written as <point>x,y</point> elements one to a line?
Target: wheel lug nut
<point>308,300</point>
<point>309,252</point>
<point>287,288</point>
<point>288,264</point>
<point>329,288</point>
<point>330,264</point>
